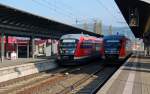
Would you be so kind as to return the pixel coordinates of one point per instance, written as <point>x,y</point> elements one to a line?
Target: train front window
<point>67,46</point>
<point>112,44</point>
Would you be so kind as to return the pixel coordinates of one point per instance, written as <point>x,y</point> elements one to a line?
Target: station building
<point>22,47</point>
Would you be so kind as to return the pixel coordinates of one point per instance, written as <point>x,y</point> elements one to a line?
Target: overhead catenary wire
<point>108,11</point>
<point>70,8</point>
<point>66,8</point>
<point>56,7</point>
<point>49,7</point>
<point>52,9</point>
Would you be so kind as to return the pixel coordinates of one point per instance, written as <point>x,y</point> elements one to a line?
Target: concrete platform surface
<point>7,63</point>
<point>131,78</point>
<point>11,69</point>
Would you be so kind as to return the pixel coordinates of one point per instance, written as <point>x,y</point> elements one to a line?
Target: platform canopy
<point>137,15</point>
<point>15,22</point>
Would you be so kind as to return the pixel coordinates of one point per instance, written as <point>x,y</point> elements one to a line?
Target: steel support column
<point>52,47</point>
<point>2,47</point>
<point>28,50</point>
<point>33,47</point>
<point>6,48</point>
<point>17,49</point>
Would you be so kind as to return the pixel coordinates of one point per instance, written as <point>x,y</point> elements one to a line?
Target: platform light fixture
<point>133,17</point>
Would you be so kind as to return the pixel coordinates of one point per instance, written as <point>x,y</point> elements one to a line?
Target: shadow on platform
<point>143,65</point>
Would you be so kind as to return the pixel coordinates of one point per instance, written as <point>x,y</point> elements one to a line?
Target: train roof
<point>114,37</point>
<point>75,36</point>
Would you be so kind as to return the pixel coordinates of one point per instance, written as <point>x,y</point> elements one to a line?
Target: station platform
<point>19,61</point>
<point>133,77</point>
<point>11,69</point>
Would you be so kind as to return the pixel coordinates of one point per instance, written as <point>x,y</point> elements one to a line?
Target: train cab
<point>78,48</point>
<point>116,47</point>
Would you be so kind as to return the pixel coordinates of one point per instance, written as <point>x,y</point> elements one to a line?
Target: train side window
<point>86,45</point>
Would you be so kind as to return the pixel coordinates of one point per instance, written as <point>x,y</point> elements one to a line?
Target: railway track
<point>78,83</point>
<point>95,82</point>
<point>16,84</point>
<point>90,83</point>
<point>61,81</point>
<point>81,79</point>
<point>19,85</point>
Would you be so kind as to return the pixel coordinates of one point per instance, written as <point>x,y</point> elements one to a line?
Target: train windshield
<point>67,46</point>
<point>112,44</point>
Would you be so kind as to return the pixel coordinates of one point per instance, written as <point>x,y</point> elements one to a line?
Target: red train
<point>78,48</point>
<point>117,47</point>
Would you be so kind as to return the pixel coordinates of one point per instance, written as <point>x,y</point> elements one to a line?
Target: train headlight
<point>72,52</point>
<point>106,51</point>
